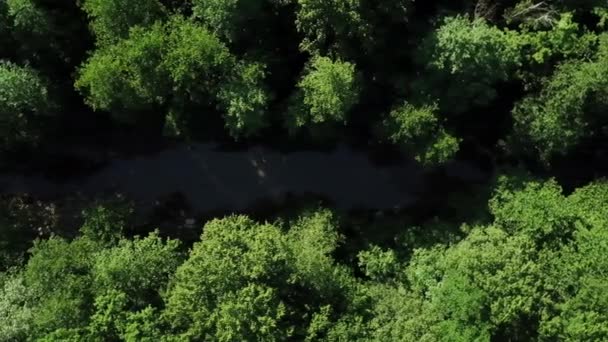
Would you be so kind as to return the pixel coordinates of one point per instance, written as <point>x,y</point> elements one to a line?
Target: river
<point>211,178</point>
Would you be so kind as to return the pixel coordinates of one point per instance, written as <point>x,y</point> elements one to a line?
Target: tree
<point>227,18</point>
<point>546,13</point>
<point>535,272</point>
<point>243,98</point>
<point>326,93</point>
<point>49,35</point>
<point>139,268</point>
<point>16,302</point>
<point>254,310</point>
<point>126,76</point>
<point>342,28</point>
<point>28,20</point>
<point>247,280</point>
<point>105,223</point>
<point>577,273</point>
<point>83,289</point>
<point>110,21</point>
<point>378,264</point>
<point>174,65</point>
<point>203,71</point>
<point>58,274</point>
<point>565,40</point>
<point>23,97</point>
<point>537,210</point>
<point>569,108</point>
<point>320,20</point>
<point>465,60</point>
<point>122,315</point>
<point>419,130</point>
<point>114,319</point>
<point>232,253</point>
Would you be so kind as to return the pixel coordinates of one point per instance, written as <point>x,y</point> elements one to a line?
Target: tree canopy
<point>534,272</point>
<point>260,67</point>
<point>326,93</point>
<point>173,65</point>
<point>24,95</point>
<point>494,110</point>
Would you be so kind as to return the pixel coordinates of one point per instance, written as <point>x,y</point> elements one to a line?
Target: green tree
<point>320,20</point>
<point>16,302</point>
<point>419,129</point>
<point>111,20</point>
<point>87,290</point>
<point>232,253</point>
<point>227,18</point>
<point>578,276</point>
<point>202,70</point>
<point>379,265</point>
<point>51,36</point>
<point>246,280</point>
<point>577,272</point>
<point>105,223</point>
<point>58,273</point>
<point>127,76</point>
<point>28,22</point>
<point>465,60</point>
<point>534,272</point>
<point>244,99</point>
<point>568,109</point>
<point>23,99</point>
<point>344,27</point>
<point>537,210</point>
<point>565,40</point>
<point>113,318</point>
<point>174,65</point>
<point>326,93</point>
<point>139,268</point>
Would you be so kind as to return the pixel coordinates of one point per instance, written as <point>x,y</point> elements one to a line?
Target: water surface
<point>211,178</point>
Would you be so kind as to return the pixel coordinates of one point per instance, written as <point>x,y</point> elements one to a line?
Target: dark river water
<point>210,178</point>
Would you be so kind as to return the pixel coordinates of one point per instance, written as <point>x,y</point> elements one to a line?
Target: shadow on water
<point>174,185</point>
<point>212,178</point>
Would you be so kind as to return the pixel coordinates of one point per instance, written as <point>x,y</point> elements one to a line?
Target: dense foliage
<point>535,271</point>
<point>326,93</point>
<point>521,83</point>
<point>23,97</point>
<point>536,69</point>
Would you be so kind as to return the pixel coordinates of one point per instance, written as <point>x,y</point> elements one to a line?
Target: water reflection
<point>210,178</point>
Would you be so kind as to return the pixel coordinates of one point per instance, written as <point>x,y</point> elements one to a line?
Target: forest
<point>366,101</point>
